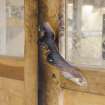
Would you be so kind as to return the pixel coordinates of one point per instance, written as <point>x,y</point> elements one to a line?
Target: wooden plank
<point>31,52</point>
<point>95,79</point>
<point>78,98</point>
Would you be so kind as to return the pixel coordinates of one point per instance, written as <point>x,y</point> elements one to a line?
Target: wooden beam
<point>31,52</point>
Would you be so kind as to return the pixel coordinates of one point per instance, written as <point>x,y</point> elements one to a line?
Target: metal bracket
<point>67,70</point>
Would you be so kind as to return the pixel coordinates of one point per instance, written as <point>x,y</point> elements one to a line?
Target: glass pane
<point>12,27</point>
<point>86,32</point>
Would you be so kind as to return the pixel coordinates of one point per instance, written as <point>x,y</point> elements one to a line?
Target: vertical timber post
<point>31,52</point>
<point>49,79</point>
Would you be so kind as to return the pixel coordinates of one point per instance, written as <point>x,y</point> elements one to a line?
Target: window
<point>84,39</point>
<point>12,27</point>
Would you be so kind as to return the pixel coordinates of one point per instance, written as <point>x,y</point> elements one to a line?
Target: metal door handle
<point>67,70</point>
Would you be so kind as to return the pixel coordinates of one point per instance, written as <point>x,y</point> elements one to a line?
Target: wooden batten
<point>31,52</point>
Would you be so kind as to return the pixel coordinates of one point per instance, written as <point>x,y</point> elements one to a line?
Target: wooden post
<point>49,85</point>
<point>31,52</point>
